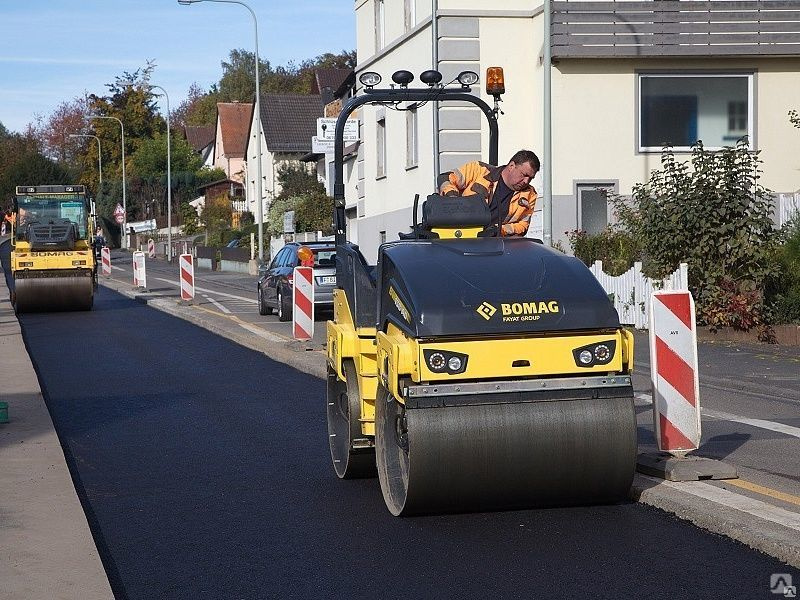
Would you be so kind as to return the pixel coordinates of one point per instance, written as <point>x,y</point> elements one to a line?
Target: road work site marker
<point>139,270</point>
<point>151,248</point>
<point>187,277</point>
<point>673,371</point>
<point>303,303</point>
<point>105,258</point>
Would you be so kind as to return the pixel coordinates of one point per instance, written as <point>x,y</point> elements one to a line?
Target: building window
<point>380,25</point>
<point>593,207</point>
<point>678,110</point>
<point>412,151</point>
<point>410,14</point>
<point>380,148</point>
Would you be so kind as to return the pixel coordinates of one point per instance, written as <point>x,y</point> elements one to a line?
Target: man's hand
<point>508,229</point>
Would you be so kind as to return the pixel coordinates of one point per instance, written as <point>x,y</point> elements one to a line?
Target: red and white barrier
<point>303,303</point>
<point>105,260</point>
<point>187,277</point>
<point>139,270</point>
<point>151,248</point>
<point>673,371</point>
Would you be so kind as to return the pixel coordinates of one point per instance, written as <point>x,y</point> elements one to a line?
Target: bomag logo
<point>51,253</point>
<point>400,306</point>
<point>486,310</point>
<point>528,311</point>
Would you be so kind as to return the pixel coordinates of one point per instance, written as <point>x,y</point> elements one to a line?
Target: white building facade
<point>612,103</point>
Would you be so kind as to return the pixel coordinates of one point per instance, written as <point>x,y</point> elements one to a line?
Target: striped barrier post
<point>105,259</point>
<point>139,270</point>
<point>303,303</point>
<point>187,277</point>
<point>151,248</point>
<point>673,371</point>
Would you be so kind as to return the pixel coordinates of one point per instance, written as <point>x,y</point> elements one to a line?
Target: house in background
<point>626,78</point>
<point>288,122</point>
<point>231,138</point>
<point>224,188</point>
<point>201,140</point>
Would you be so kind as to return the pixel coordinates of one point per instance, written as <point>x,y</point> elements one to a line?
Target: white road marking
<point>216,293</point>
<point>117,268</point>
<point>723,416</point>
<point>217,304</point>
<point>261,333</point>
<point>757,508</point>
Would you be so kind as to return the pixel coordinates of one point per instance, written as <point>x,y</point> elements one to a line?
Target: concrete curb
<point>46,547</point>
<point>774,539</point>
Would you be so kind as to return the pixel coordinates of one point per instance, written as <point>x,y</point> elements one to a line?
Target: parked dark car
<point>275,281</point>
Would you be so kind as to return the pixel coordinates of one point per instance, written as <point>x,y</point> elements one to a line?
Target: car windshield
<point>325,257</point>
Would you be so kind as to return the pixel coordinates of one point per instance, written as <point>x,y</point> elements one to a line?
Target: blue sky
<point>55,50</point>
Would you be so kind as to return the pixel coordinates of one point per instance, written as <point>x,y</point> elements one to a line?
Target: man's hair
<point>526,156</point>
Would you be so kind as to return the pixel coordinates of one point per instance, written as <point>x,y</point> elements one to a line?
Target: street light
<point>169,180</point>
<point>257,108</point>
<point>124,198</point>
<point>99,156</point>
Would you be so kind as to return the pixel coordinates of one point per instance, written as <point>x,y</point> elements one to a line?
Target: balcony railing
<point>675,28</point>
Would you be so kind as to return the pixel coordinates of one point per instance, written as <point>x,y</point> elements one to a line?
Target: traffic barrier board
<point>139,270</point>
<point>673,371</point>
<point>303,303</point>
<point>187,277</point>
<point>105,258</point>
<point>151,248</point>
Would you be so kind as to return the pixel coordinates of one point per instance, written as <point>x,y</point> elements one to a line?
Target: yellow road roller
<point>52,262</point>
<point>473,372</point>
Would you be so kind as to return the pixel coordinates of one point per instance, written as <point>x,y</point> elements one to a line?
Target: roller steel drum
<point>505,455</point>
<point>53,293</point>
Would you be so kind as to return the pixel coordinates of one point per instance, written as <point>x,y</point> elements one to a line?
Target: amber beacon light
<point>495,82</point>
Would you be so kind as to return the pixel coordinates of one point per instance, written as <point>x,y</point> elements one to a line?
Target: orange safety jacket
<point>480,179</point>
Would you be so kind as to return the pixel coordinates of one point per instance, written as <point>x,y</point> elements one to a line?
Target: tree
<point>301,192</point>
<point>217,215</point>
<point>24,164</point>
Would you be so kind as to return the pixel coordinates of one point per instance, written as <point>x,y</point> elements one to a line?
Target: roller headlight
<point>436,361</point>
<point>592,355</point>
<point>585,357</point>
<point>442,361</point>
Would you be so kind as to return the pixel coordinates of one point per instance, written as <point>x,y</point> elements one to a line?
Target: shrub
<point>712,213</point>
<point>783,289</point>
<point>617,249</point>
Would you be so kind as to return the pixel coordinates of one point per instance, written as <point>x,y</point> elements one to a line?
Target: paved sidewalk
<point>46,548</point>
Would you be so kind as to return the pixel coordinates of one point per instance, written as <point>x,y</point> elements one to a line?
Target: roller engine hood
<point>488,286</point>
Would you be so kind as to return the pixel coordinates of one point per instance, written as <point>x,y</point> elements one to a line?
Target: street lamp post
<point>124,197</point>
<point>169,180</point>
<point>257,108</point>
<point>99,156</point>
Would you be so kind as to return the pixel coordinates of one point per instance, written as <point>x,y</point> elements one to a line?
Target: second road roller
<point>52,261</point>
<point>468,371</point>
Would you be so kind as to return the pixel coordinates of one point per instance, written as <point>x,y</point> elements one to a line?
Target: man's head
<point>519,171</point>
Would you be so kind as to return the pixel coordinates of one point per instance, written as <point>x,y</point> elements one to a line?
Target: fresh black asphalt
<point>204,471</point>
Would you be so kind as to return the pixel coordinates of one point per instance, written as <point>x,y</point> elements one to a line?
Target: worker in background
<point>506,189</point>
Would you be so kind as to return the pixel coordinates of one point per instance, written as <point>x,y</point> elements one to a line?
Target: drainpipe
<point>435,66</point>
<point>547,170</point>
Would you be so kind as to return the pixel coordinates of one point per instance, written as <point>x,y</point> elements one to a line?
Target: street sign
<point>326,129</point>
<point>119,218</point>
<point>320,146</point>
<point>288,221</point>
<point>119,210</point>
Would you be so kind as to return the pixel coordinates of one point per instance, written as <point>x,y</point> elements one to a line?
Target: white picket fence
<point>787,207</point>
<point>631,291</point>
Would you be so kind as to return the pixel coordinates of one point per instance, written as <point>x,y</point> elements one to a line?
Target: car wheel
<point>263,309</point>
<point>284,308</point>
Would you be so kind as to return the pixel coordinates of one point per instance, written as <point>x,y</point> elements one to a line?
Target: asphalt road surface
<point>204,471</point>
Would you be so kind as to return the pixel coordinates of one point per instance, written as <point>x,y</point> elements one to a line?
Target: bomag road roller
<point>470,371</point>
<point>52,262</point>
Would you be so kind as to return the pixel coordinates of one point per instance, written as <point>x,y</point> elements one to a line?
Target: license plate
<point>327,280</point>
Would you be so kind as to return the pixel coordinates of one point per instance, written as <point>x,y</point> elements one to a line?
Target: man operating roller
<point>506,189</point>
